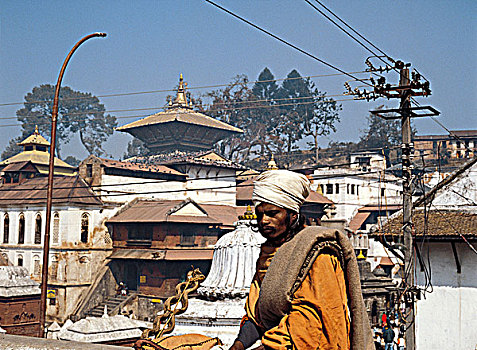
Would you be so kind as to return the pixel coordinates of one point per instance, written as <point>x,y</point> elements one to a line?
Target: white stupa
<point>221,307</point>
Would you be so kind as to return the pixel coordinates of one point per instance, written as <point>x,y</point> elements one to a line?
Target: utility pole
<point>405,104</point>
<point>49,193</point>
<point>404,91</point>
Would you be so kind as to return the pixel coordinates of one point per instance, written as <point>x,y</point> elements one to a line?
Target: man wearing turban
<point>306,290</point>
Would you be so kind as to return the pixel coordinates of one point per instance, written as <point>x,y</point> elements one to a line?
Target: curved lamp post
<point>49,199</point>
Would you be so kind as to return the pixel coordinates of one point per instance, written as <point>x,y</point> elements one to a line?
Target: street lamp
<point>49,195</point>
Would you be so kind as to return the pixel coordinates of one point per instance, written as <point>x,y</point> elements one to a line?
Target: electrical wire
<point>175,90</point>
<point>350,35</point>
<point>287,43</point>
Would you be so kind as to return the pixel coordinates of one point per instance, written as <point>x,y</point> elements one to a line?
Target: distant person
<point>401,342</point>
<point>306,291</point>
<point>122,289</point>
<point>388,336</point>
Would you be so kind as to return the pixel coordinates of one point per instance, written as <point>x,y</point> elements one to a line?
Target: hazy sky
<point>150,43</point>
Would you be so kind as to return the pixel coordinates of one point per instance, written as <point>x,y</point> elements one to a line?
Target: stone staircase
<point>111,302</point>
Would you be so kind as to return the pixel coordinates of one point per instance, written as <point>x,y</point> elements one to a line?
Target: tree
<point>231,105</point>
<point>12,148</point>
<point>136,148</point>
<point>320,119</point>
<point>78,112</point>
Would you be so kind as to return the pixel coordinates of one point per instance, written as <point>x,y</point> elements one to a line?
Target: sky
<point>150,43</point>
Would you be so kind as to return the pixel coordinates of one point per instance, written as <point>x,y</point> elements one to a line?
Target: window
<point>29,148</point>
<point>329,189</point>
<point>347,188</point>
<point>140,233</point>
<point>38,229</point>
<point>6,228</point>
<point>89,170</point>
<point>36,265</point>
<point>188,238</point>
<point>337,188</point>
<point>382,192</point>
<point>20,260</point>
<point>41,148</point>
<point>84,228</point>
<point>21,229</point>
<point>56,228</point>
<point>352,189</point>
<point>357,190</point>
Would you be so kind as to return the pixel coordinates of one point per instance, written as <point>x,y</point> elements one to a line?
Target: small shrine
<point>179,127</point>
<point>34,160</point>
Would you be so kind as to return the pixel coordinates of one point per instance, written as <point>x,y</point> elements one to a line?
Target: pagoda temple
<point>33,161</point>
<point>179,127</point>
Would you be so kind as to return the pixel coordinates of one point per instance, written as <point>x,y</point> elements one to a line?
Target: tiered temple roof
<point>179,127</point>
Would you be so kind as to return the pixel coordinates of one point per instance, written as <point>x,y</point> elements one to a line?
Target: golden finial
<point>319,189</point>
<point>181,99</point>
<point>272,165</point>
<point>36,129</point>
<point>360,255</point>
<point>248,215</point>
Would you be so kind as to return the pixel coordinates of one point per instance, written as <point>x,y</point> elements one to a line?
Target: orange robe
<point>318,317</point>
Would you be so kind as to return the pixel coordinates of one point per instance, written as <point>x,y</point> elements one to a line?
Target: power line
<point>286,42</point>
<point>175,90</point>
<point>221,109</point>
<point>349,34</point>
<point>354,31</point>
<point>316,99</point>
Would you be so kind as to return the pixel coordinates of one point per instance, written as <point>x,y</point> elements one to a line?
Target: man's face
<point>272,220</point>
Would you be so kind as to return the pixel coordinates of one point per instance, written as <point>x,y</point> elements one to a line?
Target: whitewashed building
<point>351,189</point>
<point>445,226</point>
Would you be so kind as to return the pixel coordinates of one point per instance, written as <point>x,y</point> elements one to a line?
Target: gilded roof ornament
<point>181,98</point>
<point>272,165</point>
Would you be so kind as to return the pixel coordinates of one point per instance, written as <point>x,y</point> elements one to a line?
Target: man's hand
<point>237,346</point>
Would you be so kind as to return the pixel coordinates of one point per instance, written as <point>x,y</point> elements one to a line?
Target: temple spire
<point>181,98</point>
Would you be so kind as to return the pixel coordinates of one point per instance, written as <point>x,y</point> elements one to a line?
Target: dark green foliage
<point>72,160</point>
<point>78,112</point>
<point>136,148</point>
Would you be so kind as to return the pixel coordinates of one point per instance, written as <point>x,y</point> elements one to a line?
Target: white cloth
<point>283,188</point>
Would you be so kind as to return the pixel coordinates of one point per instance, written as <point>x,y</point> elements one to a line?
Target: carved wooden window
<point>21,229</point>
<point>84,228</point>
<point>38,229</point>
<point>56,228</point>
<point>6,228</point>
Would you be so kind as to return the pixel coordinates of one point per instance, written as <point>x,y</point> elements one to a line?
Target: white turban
<point>282,188</point>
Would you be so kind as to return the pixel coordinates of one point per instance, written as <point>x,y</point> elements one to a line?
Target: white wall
<point>447,317</point>
<point>206,179</point>
<point>136,185</point>
<point>367,190</point>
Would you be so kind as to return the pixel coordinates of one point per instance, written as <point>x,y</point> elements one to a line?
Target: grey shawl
<point>290,266</point>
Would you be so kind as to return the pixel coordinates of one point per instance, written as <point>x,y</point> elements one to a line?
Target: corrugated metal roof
<point>117,164</point>
<point>159,211</point>
<point>440,223</point>
<point>180,114</point>
<point>358,220</point>
<point>18,166</point>
<point>150,211</point>
<point>163,254</point>
<point>66,190</point>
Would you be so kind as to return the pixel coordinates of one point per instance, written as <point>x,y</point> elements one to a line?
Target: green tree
<point>293,99</point>
<point>136,148</point>
<point>321,118</point>
<point>78,112</point>
<point>232,106</point>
